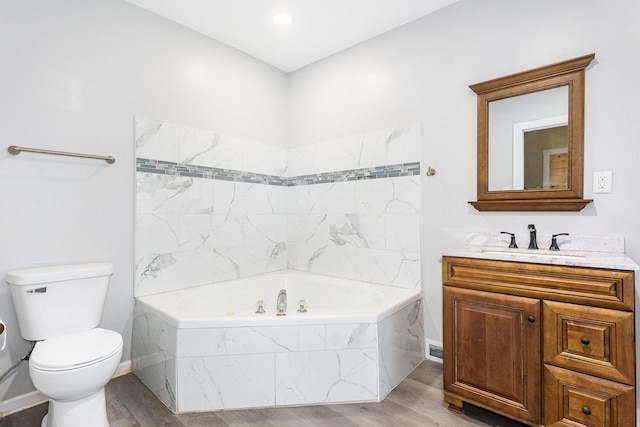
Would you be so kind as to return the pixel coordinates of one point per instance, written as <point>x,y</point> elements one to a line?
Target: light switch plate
<point>602,182</point>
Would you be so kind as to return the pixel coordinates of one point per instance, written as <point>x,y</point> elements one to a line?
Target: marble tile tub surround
<point>212,207</point>
<point>206,369</point>
<point>575,250</point>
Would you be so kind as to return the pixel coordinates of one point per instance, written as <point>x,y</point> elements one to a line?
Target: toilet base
<point>89,411</point>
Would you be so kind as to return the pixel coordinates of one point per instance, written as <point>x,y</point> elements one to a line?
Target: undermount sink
<point>528,253</point>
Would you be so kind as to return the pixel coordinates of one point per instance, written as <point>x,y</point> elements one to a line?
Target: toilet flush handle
<point>37,290</point>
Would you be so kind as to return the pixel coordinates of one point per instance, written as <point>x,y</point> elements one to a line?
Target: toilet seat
<point>75,350</point>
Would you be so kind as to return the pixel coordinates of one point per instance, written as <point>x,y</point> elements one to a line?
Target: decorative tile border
<point>388,171</point>
<point>183,169</point>
<point>206,172</point>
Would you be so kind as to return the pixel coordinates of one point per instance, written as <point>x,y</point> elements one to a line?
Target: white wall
<point>421,72</point>
<point>73,74</point>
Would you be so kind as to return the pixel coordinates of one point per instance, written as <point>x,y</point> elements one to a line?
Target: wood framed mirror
<point>530,139</point>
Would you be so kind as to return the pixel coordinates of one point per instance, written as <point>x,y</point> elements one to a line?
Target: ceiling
<point>319,28</point>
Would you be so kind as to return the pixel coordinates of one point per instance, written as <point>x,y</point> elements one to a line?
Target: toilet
<point>60,307</point>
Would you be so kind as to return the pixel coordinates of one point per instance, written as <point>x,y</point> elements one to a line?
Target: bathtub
<point>205,348</point>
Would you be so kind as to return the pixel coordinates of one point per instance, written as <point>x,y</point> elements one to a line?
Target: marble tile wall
<point>242,367</point>
<point>401,346</point>
<point>153,355</point>
<point>212,207</point>
<point>203,212</point>
<point>363,230</point>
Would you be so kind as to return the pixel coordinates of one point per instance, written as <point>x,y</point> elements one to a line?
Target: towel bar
<point>15,150</point>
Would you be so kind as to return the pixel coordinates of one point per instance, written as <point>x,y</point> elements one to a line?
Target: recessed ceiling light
<point>282,18</point>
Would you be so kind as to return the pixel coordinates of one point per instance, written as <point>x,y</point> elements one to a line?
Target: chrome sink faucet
<point>533,243</point>
<point>281,303</point>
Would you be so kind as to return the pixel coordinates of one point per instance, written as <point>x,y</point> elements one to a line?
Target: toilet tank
<point>58,300</point>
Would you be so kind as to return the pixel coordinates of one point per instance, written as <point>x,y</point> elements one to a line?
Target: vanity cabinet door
<point>492,352</point>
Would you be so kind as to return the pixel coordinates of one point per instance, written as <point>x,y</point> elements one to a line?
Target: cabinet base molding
<point>455,405</point>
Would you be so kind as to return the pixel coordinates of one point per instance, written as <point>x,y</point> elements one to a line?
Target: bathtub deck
<point>417,401</point>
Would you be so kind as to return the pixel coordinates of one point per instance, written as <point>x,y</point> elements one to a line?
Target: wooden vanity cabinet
<point>543,344</point>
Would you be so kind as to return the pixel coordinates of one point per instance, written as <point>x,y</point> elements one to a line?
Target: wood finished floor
<point>417,401</point>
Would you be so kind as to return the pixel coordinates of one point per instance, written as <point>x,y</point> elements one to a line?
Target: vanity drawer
<point>597,341</point>
<point>574,399</point>
<point>580,285</point>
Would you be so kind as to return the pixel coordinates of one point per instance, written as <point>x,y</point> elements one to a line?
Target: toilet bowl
<point>60,307</point>
<point>72,371</point>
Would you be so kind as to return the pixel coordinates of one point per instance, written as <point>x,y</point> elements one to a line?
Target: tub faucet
<point>533,243</point>
<point>281,303</point>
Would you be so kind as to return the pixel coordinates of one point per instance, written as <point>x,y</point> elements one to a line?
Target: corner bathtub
<point>204,348</point>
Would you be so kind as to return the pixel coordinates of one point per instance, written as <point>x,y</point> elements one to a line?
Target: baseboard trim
<point>22,402</point>
<point>124,368</point>
<point>29,400</point>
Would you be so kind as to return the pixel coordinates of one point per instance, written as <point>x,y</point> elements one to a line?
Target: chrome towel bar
<point>15,150</point>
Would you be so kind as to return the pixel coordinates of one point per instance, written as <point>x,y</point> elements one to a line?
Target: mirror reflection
<point>528,141</point>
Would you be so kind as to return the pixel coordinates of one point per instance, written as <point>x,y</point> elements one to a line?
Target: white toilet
<point>60,307</point>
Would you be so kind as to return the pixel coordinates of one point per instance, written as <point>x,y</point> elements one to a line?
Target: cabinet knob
<point>586,410</point>
<point>585,340</point>
<point>531,319</point>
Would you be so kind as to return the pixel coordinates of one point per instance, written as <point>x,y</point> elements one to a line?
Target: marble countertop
<point>609,260</point>
<point>580,254</point>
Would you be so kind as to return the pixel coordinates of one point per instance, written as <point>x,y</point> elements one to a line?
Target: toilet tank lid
<point>57,273</point>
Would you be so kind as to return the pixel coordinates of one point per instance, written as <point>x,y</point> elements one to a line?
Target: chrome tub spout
<point>281,304</point>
